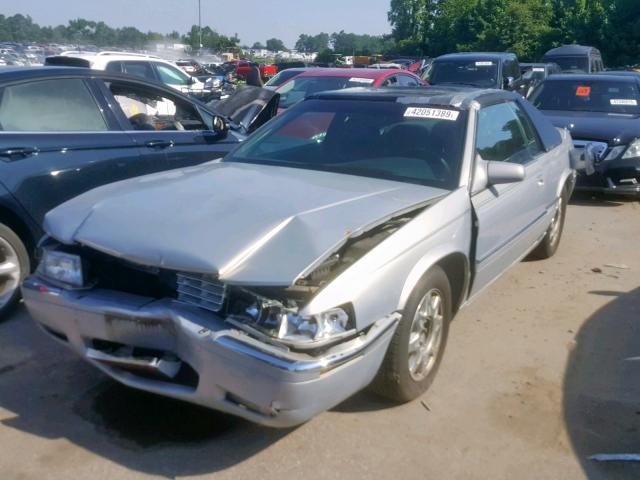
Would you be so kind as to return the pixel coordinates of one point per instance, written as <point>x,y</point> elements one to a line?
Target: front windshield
<point>478,73</point>
<point>379,139</point>
<point>282,77</point>
<point>571,64</point>
<point>301,87</point>
<point>610,96</point>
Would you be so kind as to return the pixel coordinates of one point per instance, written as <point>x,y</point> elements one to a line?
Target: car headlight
<point>615,152</point>
<point>314,327</point>
<point>62,267</point>
<point>633,150</point>
<point>286,323</point>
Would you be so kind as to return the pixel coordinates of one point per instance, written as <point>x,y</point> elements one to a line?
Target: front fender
<point>435,257</point>
<point>380,282</point>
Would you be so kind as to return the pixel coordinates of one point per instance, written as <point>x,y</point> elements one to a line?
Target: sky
<point>252,20</point>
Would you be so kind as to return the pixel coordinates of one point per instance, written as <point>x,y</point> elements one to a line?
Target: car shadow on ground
<point>601,390</point>
<point>50,393</point>
<point>587,199</point>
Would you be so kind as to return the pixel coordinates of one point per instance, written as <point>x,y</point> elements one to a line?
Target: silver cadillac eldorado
<point>328,253</point>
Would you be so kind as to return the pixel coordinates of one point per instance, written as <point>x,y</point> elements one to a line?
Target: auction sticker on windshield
<point>367,81</point>
<point>484,64</point>
<point>583,91</point>
<point>435,113</point>
<point>627,102</point>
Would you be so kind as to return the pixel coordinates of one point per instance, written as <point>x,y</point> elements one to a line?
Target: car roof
<point>572,50</point>
<point>459,97</point>
<point>477,55</point>
<point>369,73</point>
<point>592,77</point>
<point>17,74</point>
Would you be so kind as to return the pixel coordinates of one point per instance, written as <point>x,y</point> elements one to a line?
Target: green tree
<point>257,46</point>
<point>275,45</point>
<point>312,43</point>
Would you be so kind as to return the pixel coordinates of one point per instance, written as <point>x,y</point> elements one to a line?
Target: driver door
<point>510,217</point>
<point>170,131</point>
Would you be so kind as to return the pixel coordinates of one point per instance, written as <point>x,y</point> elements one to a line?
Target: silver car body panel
<point>250,224</point>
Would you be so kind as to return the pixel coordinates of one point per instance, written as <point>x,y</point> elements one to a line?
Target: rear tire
<point>417,346</point>
<point>549,244</point>
<point>14,267</point>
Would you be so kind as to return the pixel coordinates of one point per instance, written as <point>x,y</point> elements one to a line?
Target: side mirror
<point>191,81</point>
<point>509,82</point>
<point>489,173</point>
<point>504,172</point>
<point>219,126</point>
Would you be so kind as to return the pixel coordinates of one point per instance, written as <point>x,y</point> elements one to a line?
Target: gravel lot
<point>536,378</point>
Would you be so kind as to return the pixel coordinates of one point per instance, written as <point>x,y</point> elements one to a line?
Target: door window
<point>64,105</point>
<point>407,81</point>
<point>114,67</point>
<point>502,137</point>
<point>139,69</point>
<point>151,109</point>
<point>391,82</point>
<point>171,76</point>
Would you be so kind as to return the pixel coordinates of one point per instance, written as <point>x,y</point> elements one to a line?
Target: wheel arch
<point>21,228</point>
<point>454,264</point>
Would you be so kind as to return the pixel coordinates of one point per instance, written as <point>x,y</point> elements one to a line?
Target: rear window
<point>476,73</point>
<point>301,87</point>
<point>608,96</point>
<point>64,105</point>
<point>571,64</point>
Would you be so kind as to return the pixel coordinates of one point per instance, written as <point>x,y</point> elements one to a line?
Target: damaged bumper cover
<point>172,349</point>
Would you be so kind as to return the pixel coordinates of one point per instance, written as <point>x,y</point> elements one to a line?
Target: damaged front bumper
<point>172,349</point>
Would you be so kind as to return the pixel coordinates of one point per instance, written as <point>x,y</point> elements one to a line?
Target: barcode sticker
<point>627,102</point>
<point>366,81</point>
<point>435,113</point>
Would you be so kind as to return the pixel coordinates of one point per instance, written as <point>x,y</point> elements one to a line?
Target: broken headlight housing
<point>61,267</point>
<point>283,320</point>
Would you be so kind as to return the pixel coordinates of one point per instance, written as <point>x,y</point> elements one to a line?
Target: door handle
<point>159,143</point>
<point>540,182</point>
<point>15,153</point>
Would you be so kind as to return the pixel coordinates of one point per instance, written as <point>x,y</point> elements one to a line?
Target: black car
<point>476,69</point>
<point>66,130</point>
<point>575,58</point>
<point>603,114</point>
<point>533,74</point>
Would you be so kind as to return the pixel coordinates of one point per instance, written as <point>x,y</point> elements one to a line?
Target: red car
<point>324,79</point>
<point>242,68</point>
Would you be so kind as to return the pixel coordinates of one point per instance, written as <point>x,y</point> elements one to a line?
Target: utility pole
<point>200,24</point>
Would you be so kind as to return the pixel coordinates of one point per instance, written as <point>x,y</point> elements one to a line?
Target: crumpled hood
<point>251,224</point>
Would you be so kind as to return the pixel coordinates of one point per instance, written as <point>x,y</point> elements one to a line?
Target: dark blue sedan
<point>64,131</point>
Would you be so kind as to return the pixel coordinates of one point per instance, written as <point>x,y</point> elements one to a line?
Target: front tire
<point>416,349</point>
<point>14,267</point>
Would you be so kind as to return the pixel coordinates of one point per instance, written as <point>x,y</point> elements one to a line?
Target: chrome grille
<point>204,291</point>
